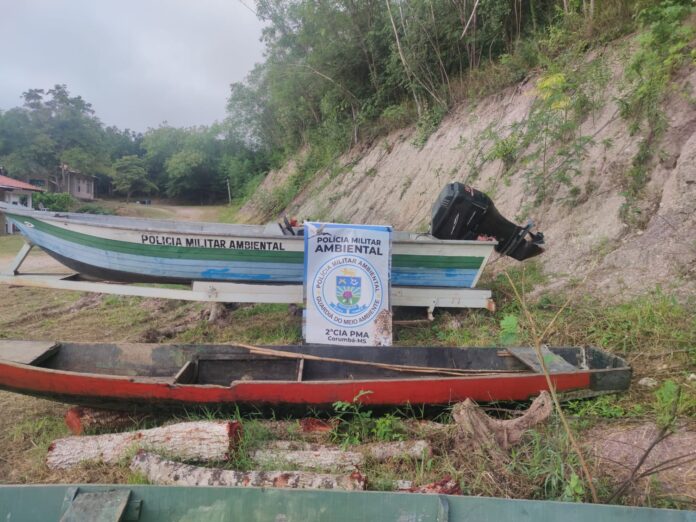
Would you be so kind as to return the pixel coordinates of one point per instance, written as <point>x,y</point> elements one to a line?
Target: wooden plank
<point>187,374</point>
<point>436,297</point>
<point>27,352</point>
<point>554,363</point>
<point>13,269</point>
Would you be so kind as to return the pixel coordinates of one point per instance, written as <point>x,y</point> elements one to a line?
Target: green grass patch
<point>10,245</point>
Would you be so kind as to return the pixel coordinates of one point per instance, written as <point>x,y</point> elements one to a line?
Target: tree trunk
<point>188,440</point>
<point>169,473</point>
<point>407,69</point>
<point>320,456</point>
<point>79,419</point>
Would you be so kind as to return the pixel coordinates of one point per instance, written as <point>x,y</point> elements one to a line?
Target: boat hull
<point>133,250</point>
<point>223,377</point>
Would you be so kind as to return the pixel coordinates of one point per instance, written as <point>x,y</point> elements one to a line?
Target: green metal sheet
<point>31,503</point>
<point>80,505</point>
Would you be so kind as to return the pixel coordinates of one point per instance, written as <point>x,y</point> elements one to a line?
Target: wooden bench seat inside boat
<point>27,352</point>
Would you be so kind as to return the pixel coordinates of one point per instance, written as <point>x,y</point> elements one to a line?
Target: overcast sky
<point>138,63</point>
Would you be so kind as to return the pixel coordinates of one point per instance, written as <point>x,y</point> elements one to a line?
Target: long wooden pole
<point>396,367</point>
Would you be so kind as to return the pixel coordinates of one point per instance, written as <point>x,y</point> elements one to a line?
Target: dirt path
<point>185,213</point>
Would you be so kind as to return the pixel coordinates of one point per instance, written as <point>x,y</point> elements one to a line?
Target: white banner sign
<point>347,271</point>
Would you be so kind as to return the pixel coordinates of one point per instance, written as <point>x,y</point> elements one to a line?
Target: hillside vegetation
<point>584,124</point>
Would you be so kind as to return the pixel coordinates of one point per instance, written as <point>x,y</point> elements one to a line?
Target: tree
<point>130,177</point>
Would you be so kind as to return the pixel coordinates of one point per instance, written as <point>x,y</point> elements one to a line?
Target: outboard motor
<point>462,212</point>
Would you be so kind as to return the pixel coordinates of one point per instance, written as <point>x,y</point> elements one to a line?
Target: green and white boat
<point>129,250</point>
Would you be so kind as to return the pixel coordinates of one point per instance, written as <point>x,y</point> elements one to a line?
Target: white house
<point>14,192</point>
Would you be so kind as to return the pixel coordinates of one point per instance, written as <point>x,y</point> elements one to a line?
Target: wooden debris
<point>313,425</point>
<point>320,456</point>
<point>474,424</point>
<point>446,486</point>
<point>166,472</point>
<point>79,419</point>
<point>188,440</point>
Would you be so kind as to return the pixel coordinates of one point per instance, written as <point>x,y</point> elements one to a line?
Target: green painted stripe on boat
<point>126,247</point>
<point>420,261</point>
<point>261,256</point>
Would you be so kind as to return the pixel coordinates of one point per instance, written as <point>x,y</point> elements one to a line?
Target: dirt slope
<point>392,181</point>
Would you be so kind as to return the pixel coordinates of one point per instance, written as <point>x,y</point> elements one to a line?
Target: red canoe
<point>157,376</point>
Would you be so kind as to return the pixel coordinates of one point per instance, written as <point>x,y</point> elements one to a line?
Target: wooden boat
<point>132,250</point>
<point>178,376</point>
<point>202,504</point>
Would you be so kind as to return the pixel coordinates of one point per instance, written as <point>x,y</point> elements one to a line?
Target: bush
<point>57,202</point>
<point>91,208</point>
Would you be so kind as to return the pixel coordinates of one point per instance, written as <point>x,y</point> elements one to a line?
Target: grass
<point>10,245</point>
<point>655,332</point>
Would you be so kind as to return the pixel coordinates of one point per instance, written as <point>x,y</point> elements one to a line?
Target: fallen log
<point>169,473</point>
<point>205,441</point>
<point>79,419</point>
<point>382,451</point>
<point>319,456</point>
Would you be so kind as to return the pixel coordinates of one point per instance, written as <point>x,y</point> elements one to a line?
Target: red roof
<point>9,183</point>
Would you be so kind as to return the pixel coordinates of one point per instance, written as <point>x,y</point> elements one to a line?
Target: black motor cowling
<point>462,212</point>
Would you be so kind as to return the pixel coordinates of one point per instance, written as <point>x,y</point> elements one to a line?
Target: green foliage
<point>667,398</point>
<point>354,423</point>
<point>56,201</point>
<point>387,428</point>
<point>632,326</point>
<point>663,47</point>
<point>92,208</point>
<point>606,407</point>
<point>396,117</point>
<point>547,461</point>
<point>381,69</point>
<point>427,124</point>
<point>130,177</point>
<point>54,129</point>
<point>574,489</point>
<point>509,330</point>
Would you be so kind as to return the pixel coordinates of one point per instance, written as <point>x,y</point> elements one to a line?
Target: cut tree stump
<point>79,419</point>
<point>169,473</point>
<point>204,441</point>
<point>474,424</point>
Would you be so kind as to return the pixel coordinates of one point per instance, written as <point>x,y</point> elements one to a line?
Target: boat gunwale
<point>144,379</point>
<point>182,227</point>
<point>159,381</point>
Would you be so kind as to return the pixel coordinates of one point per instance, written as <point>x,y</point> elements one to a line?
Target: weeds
<point>663,47</point>
<point>354,423</point>
<point>427,124</point>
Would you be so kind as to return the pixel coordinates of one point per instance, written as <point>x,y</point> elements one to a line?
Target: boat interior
<point>223,364</point>
<point>274,229</point>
